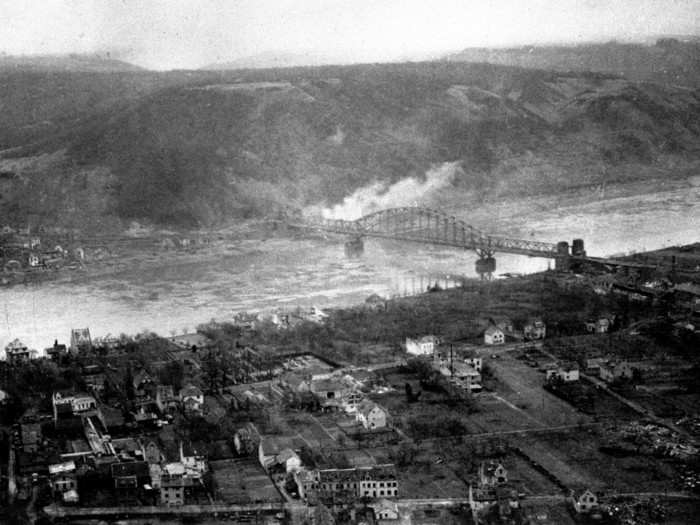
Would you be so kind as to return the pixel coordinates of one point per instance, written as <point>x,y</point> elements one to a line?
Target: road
<point>526,383</point>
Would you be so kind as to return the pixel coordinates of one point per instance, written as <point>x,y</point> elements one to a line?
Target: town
<point>547,398</point>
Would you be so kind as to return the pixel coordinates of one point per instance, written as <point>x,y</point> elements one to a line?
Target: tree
<point>410,396</point>
<point>173,373</point>
<point>211,367</point>
<point>129,383</point>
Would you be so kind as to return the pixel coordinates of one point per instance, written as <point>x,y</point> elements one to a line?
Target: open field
<point>664,402</point>
<point>523,388</point>
<point>575,459</point>
<point>424,480</point>
<point>242,481</point>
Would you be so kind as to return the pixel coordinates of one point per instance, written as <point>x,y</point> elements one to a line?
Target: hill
<point>668,61</point>
<point>269,59</point>
<point>72,62</point>
<point>204,148</point>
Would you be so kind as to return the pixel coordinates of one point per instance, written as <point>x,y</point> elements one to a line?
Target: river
<point>255,275</point>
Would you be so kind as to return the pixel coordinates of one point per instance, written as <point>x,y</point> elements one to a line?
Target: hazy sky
<point>164,34</point>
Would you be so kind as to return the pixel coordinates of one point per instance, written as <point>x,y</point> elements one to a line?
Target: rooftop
<point>60,468</point>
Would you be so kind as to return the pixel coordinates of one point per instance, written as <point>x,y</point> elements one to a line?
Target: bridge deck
<point>427,226</point>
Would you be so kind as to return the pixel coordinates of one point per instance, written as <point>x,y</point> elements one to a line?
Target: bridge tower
<point>563,259</point>
<point>485,264</point>
<point>355,247</point>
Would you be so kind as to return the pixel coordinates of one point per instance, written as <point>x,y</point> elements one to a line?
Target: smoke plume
<point>410,191</point>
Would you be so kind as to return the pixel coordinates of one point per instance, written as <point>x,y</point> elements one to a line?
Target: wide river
<point>258,275</point>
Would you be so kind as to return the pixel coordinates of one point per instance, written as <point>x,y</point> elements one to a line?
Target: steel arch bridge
<point>429,226</point>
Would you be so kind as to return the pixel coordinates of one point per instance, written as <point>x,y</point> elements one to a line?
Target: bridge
<point>429,226</point>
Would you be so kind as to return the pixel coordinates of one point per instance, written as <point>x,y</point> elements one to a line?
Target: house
<point>128,477</point>
<point>17,353</point>
<point>466,372</point>
<point>151,453</point>
<point>271,448</point>
<point>288,460</point>
<point>142,382</point>
<point>3,397</point>
<point>173,483</point>
<point>476,363</point>
<point>166,401</point>
<point>614,370</point>
<point>492,473</point>
<point>371,415</point>
<point>598,326</point>
<point>593,364</point>
<point>385,509</point>
<point>30,431</point>
<point>566,372</point>
<point>494,336</point>
<point>307,483</point>
<point>375,303</point>
<point>423,346</point>
<point>584,502</point>
<point>535,328</point>
<point>56,351</point>
<point>246,439</point>
<point>192,399</point>
<point>347,485</point>
<point>378,481</point>
<point>94,377</point>
<point>63,477</point>
<point>34,260</point>
<point>505,324</point>
<point>75,404</point>
<point>335,392</point>
<point>195,461</point>
<point>80,340</point>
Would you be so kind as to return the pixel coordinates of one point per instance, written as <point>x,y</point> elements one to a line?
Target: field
<point>575,460</point>
<point>242,481</point>
<point>521,385</point>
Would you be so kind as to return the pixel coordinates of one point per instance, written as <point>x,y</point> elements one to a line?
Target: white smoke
<point>410,191</point>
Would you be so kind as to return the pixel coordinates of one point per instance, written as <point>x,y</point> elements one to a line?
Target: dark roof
<point>273,445</point>
<point>131,468</point>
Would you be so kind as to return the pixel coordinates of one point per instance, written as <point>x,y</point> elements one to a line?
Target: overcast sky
<point>165,34</point>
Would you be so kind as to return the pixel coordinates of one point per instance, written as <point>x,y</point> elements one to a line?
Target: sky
<point>170,34</point>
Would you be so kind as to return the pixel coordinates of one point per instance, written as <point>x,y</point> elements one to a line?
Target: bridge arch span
<point>430,226</point>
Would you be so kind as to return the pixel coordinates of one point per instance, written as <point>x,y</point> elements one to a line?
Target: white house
<point>17,352</point>
<point>385,509</point>
<point>535,328</point>
<point>62,477</point>
<point>612,370</point>
<point>73,403</point>
<point>423,346</point>
<point>475,362</point>
<point>584,502</point>
<point>272,450</point>
<point>494,336</point>
<point>192,397</point>
<point>566,372</point>
<point>195,463</point>
<point>492,473</point>
<point>289,460</point>
<point>371,415</point>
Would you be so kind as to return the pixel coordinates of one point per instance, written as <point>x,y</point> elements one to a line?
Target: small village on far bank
<point>536,399</point>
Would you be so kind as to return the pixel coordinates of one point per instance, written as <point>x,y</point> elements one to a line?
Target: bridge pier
<point>485,264</point>
<point>355,247</point>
